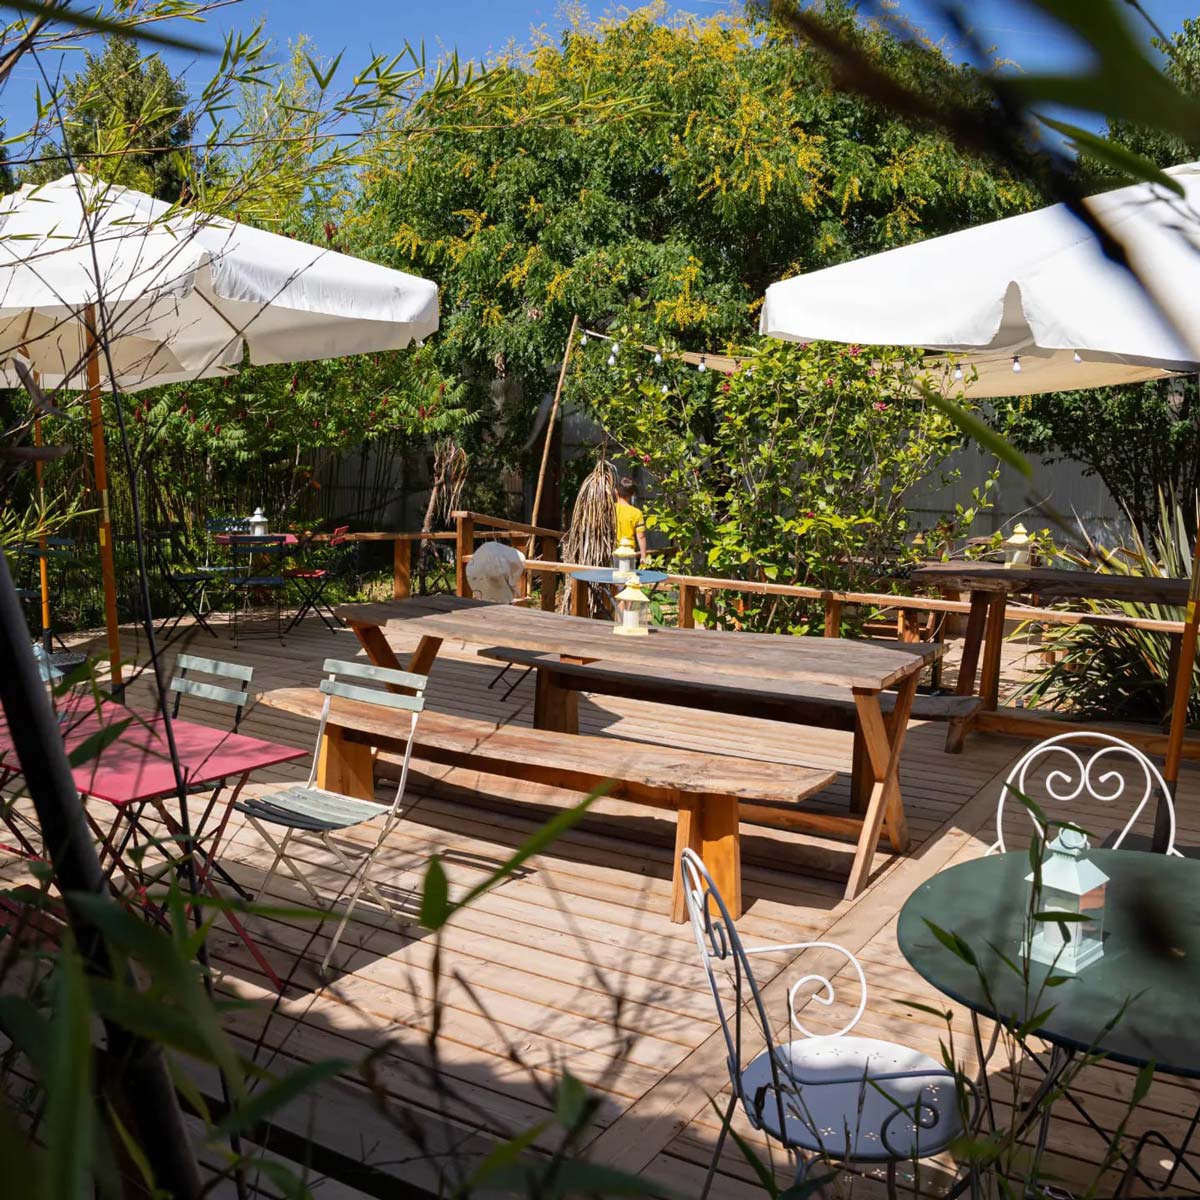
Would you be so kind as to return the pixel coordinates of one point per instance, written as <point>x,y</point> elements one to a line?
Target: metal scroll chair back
<point>1084,766</point>
<point>722,953</point>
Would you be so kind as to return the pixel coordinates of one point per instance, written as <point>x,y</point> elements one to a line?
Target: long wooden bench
<point>711,793</point>
<point>813,704</point>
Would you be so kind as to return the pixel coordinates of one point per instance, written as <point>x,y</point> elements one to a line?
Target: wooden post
<point>833,617</point>
<point>549,579</point>
<point>401,569</point>
<point>579,597</point>
<point>993,645</point>
<point>1179,700</point>
<point>464,545</point>
<point>687,606</point>
<point>908,628</point>
<point>43,544</point>
<point>108,570</point>
<point>550,423</point>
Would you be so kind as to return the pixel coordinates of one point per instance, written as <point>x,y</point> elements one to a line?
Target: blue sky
<point>478,28</point>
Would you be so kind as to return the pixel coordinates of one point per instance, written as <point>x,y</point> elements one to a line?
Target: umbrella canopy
<point>181,295</point>
<point>103,286</point>
<point>1036,286</point>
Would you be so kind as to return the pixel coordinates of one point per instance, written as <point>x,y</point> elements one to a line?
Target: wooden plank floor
<point>572,964</point>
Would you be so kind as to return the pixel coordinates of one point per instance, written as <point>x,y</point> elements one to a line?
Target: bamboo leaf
<point>70,1111</point>
<point>265,1102</point>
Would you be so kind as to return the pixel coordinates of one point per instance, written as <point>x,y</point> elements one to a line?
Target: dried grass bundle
<point>591,535</point>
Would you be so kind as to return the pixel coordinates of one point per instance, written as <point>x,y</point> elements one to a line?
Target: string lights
<point>703,362</point>
<point>1016,364</point>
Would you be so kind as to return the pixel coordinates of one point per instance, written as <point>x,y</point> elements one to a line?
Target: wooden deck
<point>572,963</point>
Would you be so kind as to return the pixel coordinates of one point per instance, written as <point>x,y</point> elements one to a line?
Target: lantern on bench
<point>631,610</point>
<point>624,561</point>
<point>1074,886</point>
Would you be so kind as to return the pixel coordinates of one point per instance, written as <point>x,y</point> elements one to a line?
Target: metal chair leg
<point>712,1166</point>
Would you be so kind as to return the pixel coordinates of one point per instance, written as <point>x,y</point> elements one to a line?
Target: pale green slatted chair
<point>311,814</point>
<point>184,684</point>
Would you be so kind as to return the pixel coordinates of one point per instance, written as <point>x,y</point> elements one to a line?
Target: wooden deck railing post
<point>833,617</point>
<point>549,579</point>
<point>401,569</point>
<point>908,628</point>
<point>579,597</point>
<point>464,544</point>
<point>687,606</point>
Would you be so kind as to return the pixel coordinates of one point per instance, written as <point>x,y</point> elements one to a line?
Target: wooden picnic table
<point>736,662</point>
<point>992,584</point>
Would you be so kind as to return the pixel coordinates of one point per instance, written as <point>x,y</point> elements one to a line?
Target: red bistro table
<point>134,770</point>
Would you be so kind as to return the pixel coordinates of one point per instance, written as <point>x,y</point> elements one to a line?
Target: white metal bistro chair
<point>311,814</point>
<point>1066,773</point>
<point>834,1096</point>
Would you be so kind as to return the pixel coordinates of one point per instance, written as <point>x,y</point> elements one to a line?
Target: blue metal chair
<point>261,576</point>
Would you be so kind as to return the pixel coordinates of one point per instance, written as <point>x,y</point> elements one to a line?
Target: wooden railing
<point>467,527</point>
<point>907,608</point>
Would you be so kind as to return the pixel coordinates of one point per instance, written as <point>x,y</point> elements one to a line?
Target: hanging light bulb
<point>1016,364</point>
<point>583,339</point>
<point>657,359</point>
<point>612,361</point>
<point>958,372</point>
<point>1075,357</point>
<point>665,389</point>
<point>703,364</point>
<point>616,347</point>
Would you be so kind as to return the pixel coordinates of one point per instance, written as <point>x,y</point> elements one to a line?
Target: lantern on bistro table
<point>631,610</point>
<point>624,561</point>
<point>258,523</point>
<point>1016,547</point>
<point>1074,886</point>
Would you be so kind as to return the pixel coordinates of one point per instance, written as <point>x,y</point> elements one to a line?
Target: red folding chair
<point>311,583</point>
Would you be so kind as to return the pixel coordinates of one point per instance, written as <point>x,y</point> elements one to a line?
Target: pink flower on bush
<point>829,381</point>
<point>725,386</point>
<point>855,351</point>
<point>880,406</point>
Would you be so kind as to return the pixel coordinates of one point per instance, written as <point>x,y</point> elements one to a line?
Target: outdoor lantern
<point>258,523</point>
<point>624,561</point>
<point>631,610</point>
<point>1016,547</point>
<point>1074,886</point>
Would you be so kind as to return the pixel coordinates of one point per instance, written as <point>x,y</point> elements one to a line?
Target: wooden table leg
<point>380,652</point>
<point>709,826</point>
<point>345,767</point>
<point>972,640</point>
<point>554,707</point>
<point>993,643</point>
<point>886,806</point>
<point>861,775</point>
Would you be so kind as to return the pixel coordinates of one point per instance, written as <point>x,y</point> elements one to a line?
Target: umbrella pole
<point>1179,701</point>
<point>108,572</point>
<point>550,421</point>
<point>43,545</point>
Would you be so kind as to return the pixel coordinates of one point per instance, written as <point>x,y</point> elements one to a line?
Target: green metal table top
<point>1151,960</point>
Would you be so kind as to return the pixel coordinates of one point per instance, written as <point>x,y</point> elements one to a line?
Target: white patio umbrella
<point>1035,289</point>
<point>176,295</point>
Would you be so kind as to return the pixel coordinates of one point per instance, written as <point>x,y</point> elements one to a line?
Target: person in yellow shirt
<point>631,524</point>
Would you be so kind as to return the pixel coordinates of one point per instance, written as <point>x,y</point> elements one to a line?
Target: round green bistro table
<point>1151,961</point>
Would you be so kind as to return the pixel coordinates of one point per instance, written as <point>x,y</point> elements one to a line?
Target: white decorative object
<point>494,572</point>
<point>625,558</point>
<point>631,610</point>
<point>1074,886</point>
<point>1016,547</point>
<point>258,523</point>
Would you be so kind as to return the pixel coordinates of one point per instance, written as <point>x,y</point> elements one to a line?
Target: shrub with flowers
<point>793,469</point>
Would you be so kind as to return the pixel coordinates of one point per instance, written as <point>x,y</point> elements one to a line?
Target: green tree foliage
<point>793,469</point>
<point>124,118</point>
<point>732,163</point>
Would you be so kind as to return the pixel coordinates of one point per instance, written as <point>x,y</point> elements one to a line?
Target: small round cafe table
<point>1150,964</point>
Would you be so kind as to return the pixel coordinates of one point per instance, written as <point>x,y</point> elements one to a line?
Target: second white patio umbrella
<point>1033,304</point>
<point>100,286</point>
<point>1035,290</point>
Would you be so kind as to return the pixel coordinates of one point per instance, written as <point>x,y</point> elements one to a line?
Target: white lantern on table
<point>1017,547</point>
<point>631,610</point>
<point>258,523</point>
<point>1074,886</point>
<point>625,559</point>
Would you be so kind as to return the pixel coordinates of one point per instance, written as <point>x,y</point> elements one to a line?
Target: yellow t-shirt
<point>629,520</point>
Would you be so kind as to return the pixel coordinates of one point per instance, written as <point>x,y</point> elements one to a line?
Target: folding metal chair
<point>311,814</point>
<point>264,578</point>
<point>311,582</point>
<point>190,587</point>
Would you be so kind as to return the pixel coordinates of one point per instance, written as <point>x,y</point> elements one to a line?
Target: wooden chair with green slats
<point>311,814</point>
